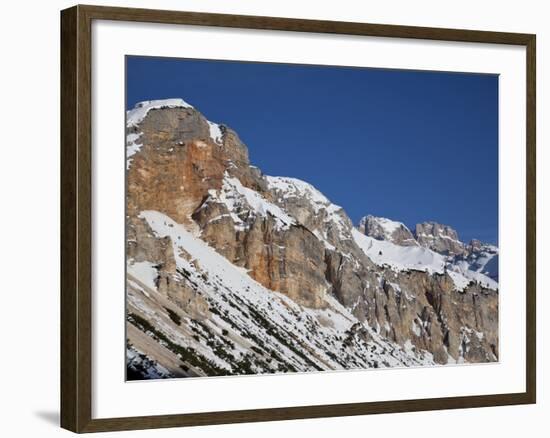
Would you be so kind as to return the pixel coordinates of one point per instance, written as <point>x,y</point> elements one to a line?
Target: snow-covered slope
<point>462,267</point>
<point>404,258</point>
<point>294,188</point>
<point>326,220</point>
<point>251,329</point>
<point>136,115</point>
<point>483,258</point>
<point>400,257</point>
<point>241,202</point>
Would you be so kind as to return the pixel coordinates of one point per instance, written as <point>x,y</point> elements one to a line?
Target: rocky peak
<point>439,238</point>
<point>381,228</point>
<point>311,208</point>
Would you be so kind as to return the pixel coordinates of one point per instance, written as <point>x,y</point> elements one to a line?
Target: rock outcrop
<point>231,271</point>
<point>439,238</point>
<point>382,228</point>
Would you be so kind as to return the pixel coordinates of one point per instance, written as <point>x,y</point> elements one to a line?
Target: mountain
<point>469,259</point>
<point>230,271</point>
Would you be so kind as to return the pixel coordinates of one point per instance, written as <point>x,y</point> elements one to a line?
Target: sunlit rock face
<point>230,271</point>
<point>439,238</point>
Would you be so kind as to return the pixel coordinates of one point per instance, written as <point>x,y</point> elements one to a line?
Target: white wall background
<point>29,218</point>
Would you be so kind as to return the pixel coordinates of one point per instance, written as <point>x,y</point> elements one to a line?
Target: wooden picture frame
<point>76,218</point>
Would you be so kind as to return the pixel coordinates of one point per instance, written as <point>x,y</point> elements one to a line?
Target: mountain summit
<point>230,271</point>
<point>386,229</point>
<point>440,238</point>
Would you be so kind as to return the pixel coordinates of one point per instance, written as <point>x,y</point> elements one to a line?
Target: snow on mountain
<point>440,238</point>
<point>132,147</point>
<point>387,225</point>
<point>463,267</point>
<point>233,272</point>
<point>460,280</point>
<point>399,257</point>
<point>296,188</point>
<point>382,228</point>
<point>483,258</point>
<point>288,189</point>
<point>404,258</point>
<point>440,250</point>
<point>241,200</point>
<point>216,133</point>
<point>145,271</point>
<point>136,115</point>
<point>488,266</point>
<point>142,367</point>
<point>251,328</point>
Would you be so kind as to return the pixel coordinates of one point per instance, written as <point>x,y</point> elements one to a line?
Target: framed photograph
<point>269,218</point>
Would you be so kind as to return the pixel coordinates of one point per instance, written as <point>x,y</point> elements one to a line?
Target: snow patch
<point>296,188</point>
<point>145,272</point>
<point>231,291</point>
<point>405,258</point>
<point>132,147</point>
<point>137,360</point>
<point>216,133</point>
<point>463,268</point>
<point>400,258</point>
<point>289,188</point>
<point>136,115</point>
<point>460,281</point>
<point>241,200</point>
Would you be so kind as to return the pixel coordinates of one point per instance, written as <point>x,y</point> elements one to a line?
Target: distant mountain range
<point>230,271</point>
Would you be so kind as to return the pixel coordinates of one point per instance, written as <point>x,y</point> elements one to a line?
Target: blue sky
<point>408,145</point>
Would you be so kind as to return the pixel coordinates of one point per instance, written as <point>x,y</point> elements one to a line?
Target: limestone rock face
<point>439,238</point>
<point>222,260</point>
<point>427,311</point>
<point>385,229</point>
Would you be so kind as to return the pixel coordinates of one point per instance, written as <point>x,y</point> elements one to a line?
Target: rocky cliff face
<point>381,228</point>
<point>234,272</point>
<point>439,238</point>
